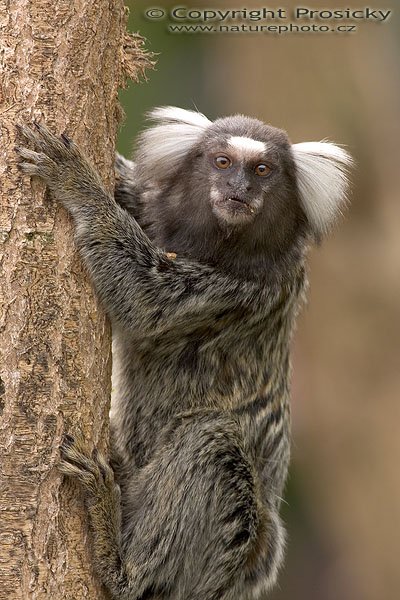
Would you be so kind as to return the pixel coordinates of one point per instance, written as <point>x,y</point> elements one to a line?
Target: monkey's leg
<point>124,579</point>
<point>193,525</point>
<point>197,515</point>
<point>102,500</point>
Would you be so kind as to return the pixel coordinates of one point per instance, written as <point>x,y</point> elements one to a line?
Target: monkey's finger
<point>30,154</point>
<point>39,163</point>
<point>73,455</point>
<point>71,452</point>
<point>29,135</point>
<point>67,140</point>
<point>85,478</point>
<point>75,442</point>
<point>29,168</point>
<point>53,145</point>
<point>67,468</point>
<point>104,467</point>
<point>42,139</point>
<point>68,440</point>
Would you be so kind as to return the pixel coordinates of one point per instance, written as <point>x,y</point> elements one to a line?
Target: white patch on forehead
<point>247,146</point>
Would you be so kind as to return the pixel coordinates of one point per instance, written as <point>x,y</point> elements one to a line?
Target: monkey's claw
<point>68,440</point>
<point>91,469</point>
<point>43,140</point>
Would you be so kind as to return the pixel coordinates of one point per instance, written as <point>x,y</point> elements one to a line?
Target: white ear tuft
<point>322,179</point>
<point>173,114</point>
<point>162,148</point>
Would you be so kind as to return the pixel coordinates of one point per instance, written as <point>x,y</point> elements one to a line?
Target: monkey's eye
<point>222,162</point>
<point>262,170</point>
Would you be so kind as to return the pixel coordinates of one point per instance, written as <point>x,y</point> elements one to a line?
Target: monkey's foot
<point>91,469</point>
<point>102,500</point>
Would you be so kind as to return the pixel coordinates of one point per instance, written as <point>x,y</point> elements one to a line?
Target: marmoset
<point>199,261</point>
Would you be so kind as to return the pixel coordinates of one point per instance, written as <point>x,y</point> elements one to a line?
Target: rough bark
<point>62,63</point>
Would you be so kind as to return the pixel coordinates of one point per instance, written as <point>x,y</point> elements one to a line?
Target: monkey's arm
<point>127,192</point>
<point>138,284</point>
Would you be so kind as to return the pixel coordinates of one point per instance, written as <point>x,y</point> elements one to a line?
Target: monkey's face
<point>247,166</point>
<point>241,175</point>
<point>236,185</point>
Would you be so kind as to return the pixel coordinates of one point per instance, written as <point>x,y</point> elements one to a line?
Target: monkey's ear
<point>162,148</point>
<point>322,178</point>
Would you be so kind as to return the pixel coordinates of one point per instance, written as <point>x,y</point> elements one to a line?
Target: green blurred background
<point>343,496</point>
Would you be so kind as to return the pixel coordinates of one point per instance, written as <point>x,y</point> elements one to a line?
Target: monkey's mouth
<point>234,205</point>
<point>239,204</point>
<point>234,210</point>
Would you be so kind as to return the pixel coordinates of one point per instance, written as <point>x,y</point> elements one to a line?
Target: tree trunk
<point>62,62</point>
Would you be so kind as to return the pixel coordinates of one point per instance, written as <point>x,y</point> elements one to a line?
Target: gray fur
<point>201,419</point>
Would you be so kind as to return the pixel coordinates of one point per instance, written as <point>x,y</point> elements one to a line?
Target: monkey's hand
<point>62,166</point>
<point>102,499</point>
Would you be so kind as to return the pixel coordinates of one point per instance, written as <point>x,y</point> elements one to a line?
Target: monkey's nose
<point>241,187</point>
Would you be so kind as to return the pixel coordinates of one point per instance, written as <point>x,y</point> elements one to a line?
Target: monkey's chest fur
<point>238,366</point>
